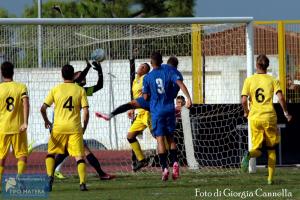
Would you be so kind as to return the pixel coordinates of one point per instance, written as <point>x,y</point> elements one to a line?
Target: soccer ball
<point>98,55</point>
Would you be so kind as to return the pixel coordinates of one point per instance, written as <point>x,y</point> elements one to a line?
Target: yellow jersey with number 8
<point>260,88</point>
<point>68,99</point>
<point>11,106</point>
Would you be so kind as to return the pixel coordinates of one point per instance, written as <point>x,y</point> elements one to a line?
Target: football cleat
<point>102,115</point>
<point>139,165</point>
<point>107,177</point>
<point>83,187</point>
<point>59,175</point>
<point>175,173</point>
<point>245,161</point>
<point>165,175</point>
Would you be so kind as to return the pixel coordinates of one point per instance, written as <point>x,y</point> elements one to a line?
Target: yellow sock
<point>50,163</point>
<point>137,150</point>
<point>255,153</point>
<point>271,164</point>
<point>81,172</point>
<point>1,173</point>
<point>21,166</point>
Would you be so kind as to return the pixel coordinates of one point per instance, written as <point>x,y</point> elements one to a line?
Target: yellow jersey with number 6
<point>11,106</point>
<point>68,99</point>
<point>260,88</point>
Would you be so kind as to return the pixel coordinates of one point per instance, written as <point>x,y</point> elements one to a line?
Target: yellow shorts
<point>141,122</point>
<point>58,143</point>
<point>264,131</point>
<point>18,142</point>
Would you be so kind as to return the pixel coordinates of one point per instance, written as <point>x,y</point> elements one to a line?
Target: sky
<point>259,9</point>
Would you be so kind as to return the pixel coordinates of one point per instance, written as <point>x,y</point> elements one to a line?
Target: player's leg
<point>94,162</point>
<point>257,138</point>
<point>20,146</point>
<point>272,140</point>
<point>59,161</point>
<point>137,127</point>
<point>76,149</point>
<point>159,129</point>
<point>121,109</point>
<point>5,141</point>
<point>171,125</point>
<point>56,145</point>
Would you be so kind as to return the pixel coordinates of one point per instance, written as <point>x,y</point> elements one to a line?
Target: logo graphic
<point>24,186</point>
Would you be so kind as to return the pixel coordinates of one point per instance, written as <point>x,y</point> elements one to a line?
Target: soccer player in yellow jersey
<point>67,131</point>
<point>141,120</point>
<point>14,112</point>
<point>260,89</point>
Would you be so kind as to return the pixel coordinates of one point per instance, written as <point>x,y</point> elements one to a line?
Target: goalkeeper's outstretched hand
<point>97,66</point>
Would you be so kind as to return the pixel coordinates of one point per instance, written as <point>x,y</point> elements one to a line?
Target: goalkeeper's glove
<point>97,66</point>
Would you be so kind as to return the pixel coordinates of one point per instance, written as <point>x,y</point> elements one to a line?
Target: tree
<point>4,13</point>
<point>112,8</point>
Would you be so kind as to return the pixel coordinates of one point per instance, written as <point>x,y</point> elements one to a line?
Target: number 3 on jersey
<point>69,103</point>
<point>160,85</point>
<point>259,96</point>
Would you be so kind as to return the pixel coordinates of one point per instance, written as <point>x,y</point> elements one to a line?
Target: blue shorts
<point>143,103</point>
<point>163,125</point>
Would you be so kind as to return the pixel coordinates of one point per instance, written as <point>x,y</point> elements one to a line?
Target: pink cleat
<point>102,115</point>
<point>107,177</point>
<point>165,175</point>
<point>175,174</point>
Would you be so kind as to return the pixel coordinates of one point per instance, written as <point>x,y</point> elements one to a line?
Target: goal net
<point>211,136</point>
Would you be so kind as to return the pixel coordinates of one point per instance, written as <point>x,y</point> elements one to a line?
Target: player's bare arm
<point>282,102</point>
<point>25,113</point>
<point>185,92</point>
<point>245,106</point>
<point>45,117</point>
<point>86,117</point>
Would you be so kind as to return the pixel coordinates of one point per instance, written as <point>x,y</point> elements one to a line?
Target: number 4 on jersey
<point>69,104</point>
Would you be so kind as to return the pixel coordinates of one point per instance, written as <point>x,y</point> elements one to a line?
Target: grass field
<point>149,186</point>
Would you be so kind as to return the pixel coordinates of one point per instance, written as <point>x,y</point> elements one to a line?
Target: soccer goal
<point>215,55</point>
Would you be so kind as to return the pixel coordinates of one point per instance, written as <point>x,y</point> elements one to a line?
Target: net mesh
<point>215,135</point>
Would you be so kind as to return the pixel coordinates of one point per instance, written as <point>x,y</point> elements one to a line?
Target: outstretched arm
<point>99,84</point>
<point>185,92</point>
<point>84,72</point>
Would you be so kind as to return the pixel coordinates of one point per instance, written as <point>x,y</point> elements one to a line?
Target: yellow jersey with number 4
<point>260,88</point>
<point>11,106</point>
<point>68,99</point>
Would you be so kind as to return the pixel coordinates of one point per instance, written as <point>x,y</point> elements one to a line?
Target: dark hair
<point>262,61</point>
<point>67,72</point>
<point>181,98</point>
<point>173,61</point>
<point>7,69</point>
<point>148,67</point>
<point>156,58</point>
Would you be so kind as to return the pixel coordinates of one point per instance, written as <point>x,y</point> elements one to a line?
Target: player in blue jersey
<point>140,102</point>
<point>158,88</point>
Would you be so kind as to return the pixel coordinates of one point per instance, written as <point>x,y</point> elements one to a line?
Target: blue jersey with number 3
<point>159,84</point>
